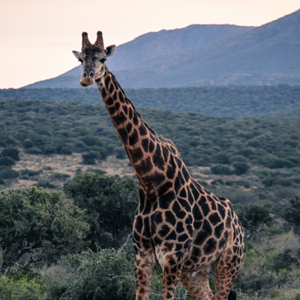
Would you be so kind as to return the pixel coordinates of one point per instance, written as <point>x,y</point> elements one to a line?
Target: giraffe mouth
<point>86,81</point>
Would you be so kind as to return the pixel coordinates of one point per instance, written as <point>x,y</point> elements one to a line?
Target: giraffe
<point>179,224</point>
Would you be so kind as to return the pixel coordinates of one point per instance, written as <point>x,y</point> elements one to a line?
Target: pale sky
<point>37,36</point>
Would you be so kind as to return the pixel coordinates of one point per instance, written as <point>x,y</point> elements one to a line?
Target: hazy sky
<point>37,36</point>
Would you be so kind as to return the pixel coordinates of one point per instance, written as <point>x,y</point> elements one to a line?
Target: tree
<point>104,275</point>
<point>253,218</point>
<point>292,213</point>
<point>240,168</point>
<point>110,203</point>
<point>33,220</point>
<point>11,152</point>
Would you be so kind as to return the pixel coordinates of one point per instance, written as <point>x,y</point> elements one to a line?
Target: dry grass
<point>72,164</point>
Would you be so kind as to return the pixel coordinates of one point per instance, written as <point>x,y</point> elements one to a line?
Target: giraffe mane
<point>160,138</point>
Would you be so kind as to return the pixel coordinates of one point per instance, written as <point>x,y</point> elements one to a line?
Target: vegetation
<point>47,251</point>
<point>106,271</point>
<point>33,221</point>
<point>110,203</point>
<point>219,101</point>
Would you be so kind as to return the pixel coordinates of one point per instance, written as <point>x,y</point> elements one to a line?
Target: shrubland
<point>75,243</point>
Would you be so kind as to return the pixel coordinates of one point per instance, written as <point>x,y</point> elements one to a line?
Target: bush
<point>34,150</point>
<point>280,163</point>
<point>291,212</point>
<point>32,220</point>
<point>240,168</point>
<point>91,141</point>
<point>28,143</point>
<point>283,181</point>
<point>110,204</point>
<point>45,184</point>
<point>221,158</point>
<point>29,173</point>
<point>59,176</point>
<point>22,289</point>
<point>89,158</point>
<point>65,151</point>
<point>103,275</point>
<point>11,152</point>
<point>7,161</point>
<point>220,170</point>
<point>8,174</point>
<point>50,150</point>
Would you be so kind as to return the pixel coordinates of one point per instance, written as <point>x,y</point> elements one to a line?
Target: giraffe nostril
<point>84,74</point>
<point>91,74</point>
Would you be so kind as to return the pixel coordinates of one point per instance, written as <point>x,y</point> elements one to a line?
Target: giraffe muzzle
<point>86,81</point>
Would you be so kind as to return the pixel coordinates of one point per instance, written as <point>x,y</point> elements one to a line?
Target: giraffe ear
<point>77,54</point>
<point>110,50</point>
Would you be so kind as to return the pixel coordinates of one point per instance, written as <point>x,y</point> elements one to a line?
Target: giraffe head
<point>92,58</point>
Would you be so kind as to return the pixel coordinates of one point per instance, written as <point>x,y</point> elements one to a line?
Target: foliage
<point>110,203</point>
<point>220,170</point>
<point>104,275</point>
<point>7,161</point>
<point>21,289</point>
<point>8,174</point>
<point>253,218</point>
<point>32,220</point>
<point>219,101</point>
<point>292,213</point>
<point>11,152</point>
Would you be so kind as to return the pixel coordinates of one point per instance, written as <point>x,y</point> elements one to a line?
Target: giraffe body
<point>179,224</point>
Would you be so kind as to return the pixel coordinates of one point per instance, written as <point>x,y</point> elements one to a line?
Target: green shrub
<point>275,230</point>
<point>40,220</point>
<point>110,204</point>
<point>65,151</point>
<point>275,163</point>
<point>283,181</point>
<point>240,168</point>
<point>2,182</point>
<point>11,152</point>
<point>221,158</point>
<point>8,174</point>
<point>34,150</point>
<point>45,184</point>
<point>7,161</point>
<point>22,289</point>
<point>91,141</point>
<point>89,158</point>
<point>28,143</point>
<point>220,170</point>
<point>297,296</point>
<point>59,176</point>
<point>104,275</point>
<point>50,150</point>
<point>96,171</point>
<point>291,212</point>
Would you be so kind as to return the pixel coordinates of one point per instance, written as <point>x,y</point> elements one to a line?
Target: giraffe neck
<point>149,154</point>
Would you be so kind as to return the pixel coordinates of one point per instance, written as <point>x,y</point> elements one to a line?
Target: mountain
<point>265,55</point>
<point>149,46</point>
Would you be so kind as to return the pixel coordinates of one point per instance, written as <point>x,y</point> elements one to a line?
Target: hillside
<point>265,55</point>
<point>223,101</point>
<point>149,46</point>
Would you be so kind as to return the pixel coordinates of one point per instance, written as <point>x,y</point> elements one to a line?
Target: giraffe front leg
<point>171,272</point>
<point>144,268</point>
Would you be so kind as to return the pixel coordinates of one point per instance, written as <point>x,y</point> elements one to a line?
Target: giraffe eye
<point>79,59</point>
<point>102,60</point>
